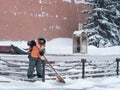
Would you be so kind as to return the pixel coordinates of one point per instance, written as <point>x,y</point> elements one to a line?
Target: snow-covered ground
<point>64,46</point>
<point>110,83</point>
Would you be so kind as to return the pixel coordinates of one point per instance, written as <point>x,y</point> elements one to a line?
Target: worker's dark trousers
<point>34,62</point>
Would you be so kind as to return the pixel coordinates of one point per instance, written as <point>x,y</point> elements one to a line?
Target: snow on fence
<point>72,67</point>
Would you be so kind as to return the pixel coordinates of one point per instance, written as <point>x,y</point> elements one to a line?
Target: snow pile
<point>16,43</point>
<point>65,46</point>
<point>59,46</point>
<point>92,50</point>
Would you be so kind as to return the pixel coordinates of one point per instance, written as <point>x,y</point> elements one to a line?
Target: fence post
<point>83,67</point>
<point>43,73</point>
<point>117,60</point>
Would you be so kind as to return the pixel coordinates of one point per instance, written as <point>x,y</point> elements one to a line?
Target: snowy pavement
<point>106,83</point>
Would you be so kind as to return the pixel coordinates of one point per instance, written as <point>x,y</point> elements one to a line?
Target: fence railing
<point>84,61</point>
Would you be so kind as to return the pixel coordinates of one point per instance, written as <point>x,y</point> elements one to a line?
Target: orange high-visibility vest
<point>36,49</point>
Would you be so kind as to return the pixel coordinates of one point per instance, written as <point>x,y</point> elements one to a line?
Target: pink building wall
<point>27,19</point>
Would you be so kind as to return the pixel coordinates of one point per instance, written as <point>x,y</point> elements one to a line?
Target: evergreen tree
<point>103,26</point>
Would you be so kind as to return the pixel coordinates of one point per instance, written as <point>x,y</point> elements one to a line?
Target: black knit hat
<point>41,39</point>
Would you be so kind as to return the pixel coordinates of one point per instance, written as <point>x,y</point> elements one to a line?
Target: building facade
<point>27,19</point>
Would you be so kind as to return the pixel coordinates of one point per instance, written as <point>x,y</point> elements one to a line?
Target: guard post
<point>80,42</point>
<point>117,60</point>
<point>83,67</point>
<point>43,73</point>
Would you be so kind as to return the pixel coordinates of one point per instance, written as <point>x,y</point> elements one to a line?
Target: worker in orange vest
<point>36,52</point>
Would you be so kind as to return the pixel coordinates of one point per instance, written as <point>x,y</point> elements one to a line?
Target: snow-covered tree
<point>103,26</point>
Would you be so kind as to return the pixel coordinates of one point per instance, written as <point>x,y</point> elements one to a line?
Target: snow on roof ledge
<point>78,33</point>
<point>76,1</point>
<point>67,1</point>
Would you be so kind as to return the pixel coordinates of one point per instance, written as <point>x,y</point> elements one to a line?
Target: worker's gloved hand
<point>42,58</point>
<point>42,52</point>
